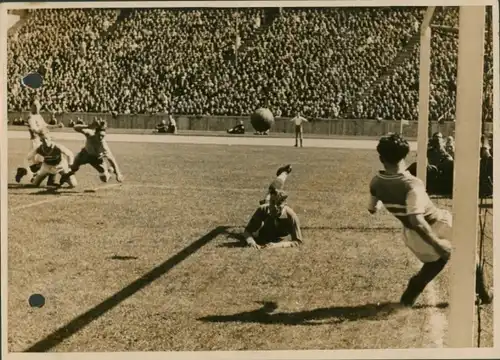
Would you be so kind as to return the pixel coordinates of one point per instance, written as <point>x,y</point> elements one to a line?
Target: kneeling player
<point>36,126</point>
<point>96,152</point>
<point>55,159</point>
<point>272,222</point>
<point>278,183</point>
<point>427,229</point>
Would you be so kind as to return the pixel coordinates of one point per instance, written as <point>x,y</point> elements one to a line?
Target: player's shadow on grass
<point>330,315</point>
<point>81,321</point>
<point>54,191</point>
<point>48,190</point>
<point>234,235</point>
<point>122,257</point>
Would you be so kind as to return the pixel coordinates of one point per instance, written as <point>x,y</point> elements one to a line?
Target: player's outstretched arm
<point>374,205</point>
<point>56,126</point>
<point>112,160</point>
<point>68,153</point>
<point>252,227</point>
<point>82,129</point>
<point>250,241</point>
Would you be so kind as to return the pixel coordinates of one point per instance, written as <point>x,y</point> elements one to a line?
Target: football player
<point>272,222</point>
<point>427,229</point>
<point>36,126</point>
<point>96,152</point>
<point>54,159</point>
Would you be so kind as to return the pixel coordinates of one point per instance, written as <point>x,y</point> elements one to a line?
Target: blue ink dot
<point>36,301</point>
<point>33,80</point>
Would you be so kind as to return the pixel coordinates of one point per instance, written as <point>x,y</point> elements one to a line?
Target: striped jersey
<point>51,155</point>
<point>403,194</point>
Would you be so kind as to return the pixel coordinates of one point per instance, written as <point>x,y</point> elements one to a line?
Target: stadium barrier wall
<point>347,127</point>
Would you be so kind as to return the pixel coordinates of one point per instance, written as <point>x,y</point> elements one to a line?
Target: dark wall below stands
<point>349,127</point>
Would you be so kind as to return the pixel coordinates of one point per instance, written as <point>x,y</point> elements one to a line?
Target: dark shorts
<point>84,158</point>
<point>268,235</point>
<point>298,129</point>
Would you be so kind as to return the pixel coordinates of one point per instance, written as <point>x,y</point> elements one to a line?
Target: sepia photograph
<point>237,177</point>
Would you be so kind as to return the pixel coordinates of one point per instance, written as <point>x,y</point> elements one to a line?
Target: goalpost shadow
<point>81,321</point>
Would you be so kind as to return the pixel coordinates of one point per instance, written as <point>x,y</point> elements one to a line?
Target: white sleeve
<point>416,201</point>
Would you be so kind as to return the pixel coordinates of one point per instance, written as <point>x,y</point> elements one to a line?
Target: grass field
<point>155,264</point>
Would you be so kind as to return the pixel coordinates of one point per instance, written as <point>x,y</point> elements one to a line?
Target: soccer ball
<point>262,120</point>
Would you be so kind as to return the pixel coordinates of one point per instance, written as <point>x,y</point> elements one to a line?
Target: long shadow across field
<point>97,311</point>
<point>334,315</point>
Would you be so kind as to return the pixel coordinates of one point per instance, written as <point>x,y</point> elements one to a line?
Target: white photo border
<point>483,353</point>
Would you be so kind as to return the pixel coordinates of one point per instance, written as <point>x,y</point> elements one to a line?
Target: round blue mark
<point>33,80</point>
<point>36,301</point>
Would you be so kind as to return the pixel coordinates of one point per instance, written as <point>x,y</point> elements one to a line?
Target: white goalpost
<point>466,177</point>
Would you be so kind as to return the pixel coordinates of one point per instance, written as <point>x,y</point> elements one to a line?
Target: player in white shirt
<point>36,126</point>
<point>298,121</point>
<point>427,229</point>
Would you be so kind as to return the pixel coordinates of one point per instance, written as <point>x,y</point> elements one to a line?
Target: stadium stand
<point>325,63</point>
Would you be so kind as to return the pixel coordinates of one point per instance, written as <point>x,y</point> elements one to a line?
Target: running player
<point>427,229</point>
<point>278,183</point>
<point>96,152</point>
<point>54,159</point>
<point>272,222</point>
<point>36,125</point>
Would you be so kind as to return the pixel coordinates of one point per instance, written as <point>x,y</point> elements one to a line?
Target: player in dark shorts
<point>96,152</point>
<point>272,222</point>
<point>427,228</point>
<point>278,183</point>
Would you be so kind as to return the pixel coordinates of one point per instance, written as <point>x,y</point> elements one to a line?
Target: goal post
<point>424,92</point>
<point>468,125</point>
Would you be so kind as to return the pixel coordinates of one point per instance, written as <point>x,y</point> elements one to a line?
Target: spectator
<point>316,60</point>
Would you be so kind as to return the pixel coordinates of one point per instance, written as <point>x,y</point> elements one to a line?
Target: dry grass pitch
<point>155,264</point>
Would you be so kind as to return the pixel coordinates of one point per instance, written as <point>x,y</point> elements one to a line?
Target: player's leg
<point>102,167</point>
<point>297,130</point>
<point>301,136</point>
<point>33,168</point>
<point>419,281</point>
<point>65,171</point>
<point>82,158</point>
<point>433,263</point>
<point>279,182</point>
<point>44,171</point>
<point>51,180</point>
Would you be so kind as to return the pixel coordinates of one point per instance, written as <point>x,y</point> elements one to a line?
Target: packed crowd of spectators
<point>187,61</point>
<point>397,97</point>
